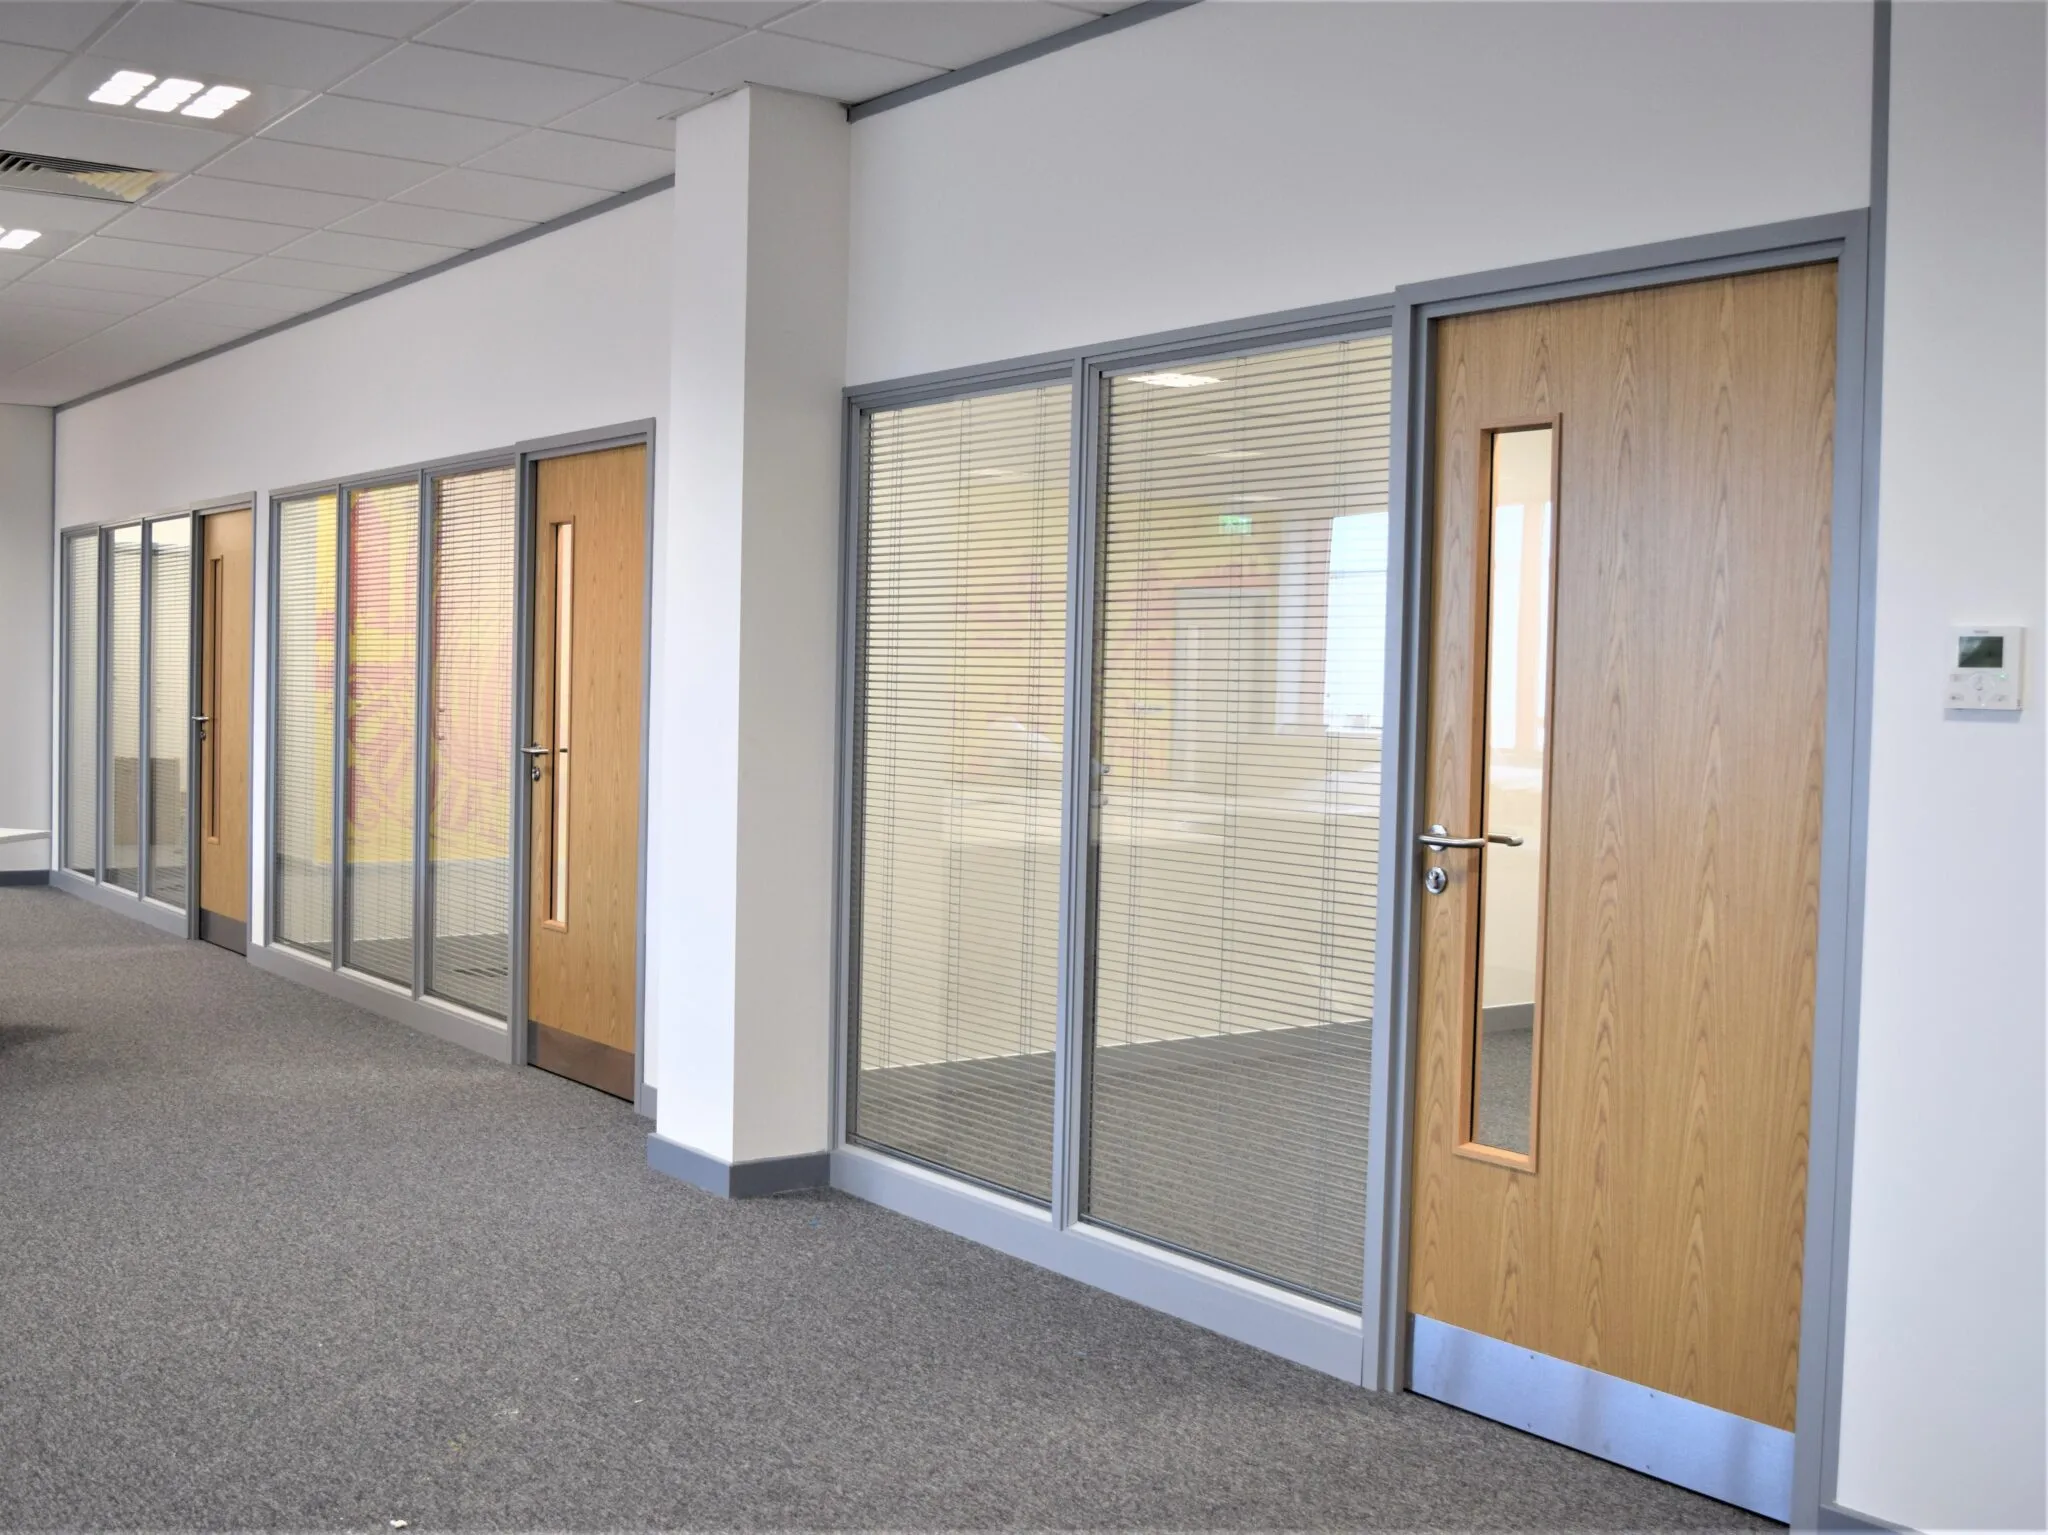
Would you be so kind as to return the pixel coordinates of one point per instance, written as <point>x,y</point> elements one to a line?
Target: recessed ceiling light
<point>169,95</point>
<point>15,239</point>
<point>216,101</point>
<point>173,95</point>
<point>122,87</point>
<point>1175,380</point>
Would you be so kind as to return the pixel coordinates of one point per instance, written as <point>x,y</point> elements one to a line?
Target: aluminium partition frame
<point>504,1039</point>
<point>181,922</point>
<point>1375,1354</point>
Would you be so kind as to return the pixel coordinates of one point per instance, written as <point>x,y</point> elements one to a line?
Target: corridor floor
<point>267,1261</point>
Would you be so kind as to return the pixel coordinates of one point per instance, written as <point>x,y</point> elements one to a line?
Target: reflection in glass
<point>962,685</point>
<point>1517,709</point>
<point>383,652</point>
<point>124,712</point>
<point>1241,669</point>
<point>304,725</point>
<point>170,703</point>
<point>469,819</point>
<point>82,704</point>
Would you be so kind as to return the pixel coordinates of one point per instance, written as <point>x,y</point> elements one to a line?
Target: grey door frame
<point>1844,239</point>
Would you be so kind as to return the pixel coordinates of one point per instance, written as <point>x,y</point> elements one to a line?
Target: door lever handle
<point>533,757</point>
<point>1440,839</point>
<point>536,751</point>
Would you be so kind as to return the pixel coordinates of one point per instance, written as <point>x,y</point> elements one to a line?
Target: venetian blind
<point>170,703</point>
<point>962,692</point>
<point>1240,671</point>
<point>304,812</point>
<point>124,711</point>
<point>81,703</point>
<point>383,679</point>
<point>469,816</point>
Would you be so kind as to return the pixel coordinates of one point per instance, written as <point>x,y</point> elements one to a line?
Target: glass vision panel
<point>170,704</point>
<point>1240,676</point>
<point>383,678</point>
<point>124,711</point>
<point>1517,716</point>
<point>82,704</point>
<point>962,688</point>
<point>469,816</point>
<point>304,812</point>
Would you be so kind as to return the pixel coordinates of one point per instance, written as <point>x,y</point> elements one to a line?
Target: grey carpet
<point>269,1262</point>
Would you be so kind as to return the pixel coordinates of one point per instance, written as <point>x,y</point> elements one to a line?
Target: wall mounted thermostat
<point>1984,672</point>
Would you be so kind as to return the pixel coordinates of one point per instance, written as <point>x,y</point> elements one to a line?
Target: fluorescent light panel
<point>15,239</point>
<point>173,95</point>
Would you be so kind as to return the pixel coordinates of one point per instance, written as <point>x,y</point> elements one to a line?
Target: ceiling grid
<point>381,137</point>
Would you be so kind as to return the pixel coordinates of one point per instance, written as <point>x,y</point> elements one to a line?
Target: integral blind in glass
<point>1517,709</point>
<point>383,678</point>
<point>124,711</point>
<point>960,765</point>
<point>304,725</point>
<point>1240,674</point>
<point>82,704</point>
<point>469,819</point>
<point>170,704</point>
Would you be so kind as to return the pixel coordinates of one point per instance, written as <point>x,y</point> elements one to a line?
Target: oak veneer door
<point>584,764</point>
<point>1628,668</point>
<point>223,777</point>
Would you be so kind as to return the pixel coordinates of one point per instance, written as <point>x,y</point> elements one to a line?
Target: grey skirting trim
<point>739,1180</point>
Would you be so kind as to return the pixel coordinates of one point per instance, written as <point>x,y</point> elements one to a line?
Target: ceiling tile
<point>145,255</point>
<point>236,46</point>
<point>252,200</point>
<point>110,279</point>
<point>319,170</point>
<point>434,226</point>
<point>51,327</point>
<point>60,24</point>
<point>23,69</point>
<point>623,40</point>
<point>271,299</point>
<point>92,300</point>
<point>312,274</point>
<point>946,33</point>
<point>122,351</point>
<point>204,231</point>
<point>1098,7</point>
<point>795,64</point>
<point>13,264</point>
<point>378,128</point>
<point>385,256</point>
<point>54,242</point>
<point>505,89</point>
<point>103,136</point>
<point>383,18</point>
<point>588,162</point>
<point>49,213</point>
<point>511,197</point>
<point>741,13</point>
<point>639,114</point>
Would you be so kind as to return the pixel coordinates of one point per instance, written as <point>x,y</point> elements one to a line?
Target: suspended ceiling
<point>380,137</point>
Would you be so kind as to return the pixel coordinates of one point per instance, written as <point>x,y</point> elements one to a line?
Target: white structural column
<point>27,587</point>
<point>743,708</point>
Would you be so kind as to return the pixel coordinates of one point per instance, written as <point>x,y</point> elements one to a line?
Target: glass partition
<point>383,679</point>
<point>170,704</point>
<point>303,726</point>
<point>963,687</point>
<point>1240,673</point>
<point>124,710</point>
<point>82,703</point>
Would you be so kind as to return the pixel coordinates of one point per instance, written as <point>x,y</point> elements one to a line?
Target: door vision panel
<point>584,764</point>
<point>1623,778</point>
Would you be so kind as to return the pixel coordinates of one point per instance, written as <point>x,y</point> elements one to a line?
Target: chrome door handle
<point>536,751</point>
<point>533,756</point>
<point>202,719</point>
<point>1440,839</point>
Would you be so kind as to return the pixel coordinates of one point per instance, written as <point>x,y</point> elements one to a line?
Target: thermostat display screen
<point>1985,652</point>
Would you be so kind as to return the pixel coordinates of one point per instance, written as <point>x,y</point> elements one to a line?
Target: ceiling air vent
<point>76,178</point>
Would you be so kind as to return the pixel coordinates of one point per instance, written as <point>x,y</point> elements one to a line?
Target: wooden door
<point>223,777</point>
<point>1627,1195</point>
<point>584,764</point>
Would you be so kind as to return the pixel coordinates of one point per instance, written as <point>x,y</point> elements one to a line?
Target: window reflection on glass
<point>1517,706</point>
